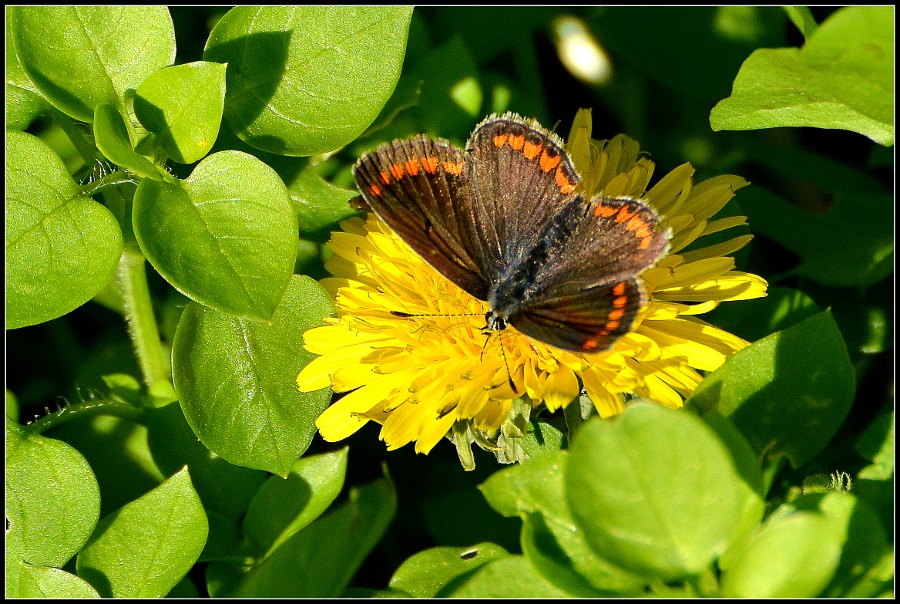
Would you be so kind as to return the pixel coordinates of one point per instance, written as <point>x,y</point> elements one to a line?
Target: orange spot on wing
<point>375,190</point>
<point>604,211</point>
<point>429,164</point>
<point>616,315</point>
<point>500,140</point>
<point>396,171</point>
<point>624,214</point>
<point>412,167</point>
<point>385,178</point>
<point>563,182</point>
<point>620,301</point>
<point>634,223</point>
<point>517,142</point>
<point>532,149</point>
<point>619,289</point>
<point>548,162</point>
<point>455,169</point>
<point>645,243</point>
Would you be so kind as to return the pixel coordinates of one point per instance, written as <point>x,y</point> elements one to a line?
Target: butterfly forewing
<point>422,189</point>
<point>522,178</point>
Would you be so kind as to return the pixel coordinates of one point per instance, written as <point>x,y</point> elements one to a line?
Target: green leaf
<point>791,557</point>
<point>508,577</point>
<point>23,100</point>
<point>551,541</point>
<point>842,78</point>
<point>282,506</point>
<point>12,406</point>
<point>802,17</point>
<point>426,573</point>
<point>794,410</point>
<point>82,56</point>
<point>52,498</point>
<point>143,549</point>
<point>320,560</point>
<point>308,79</point>
<point>61,247</point>
<point>318,203</point>
<point>542,437</point>
<point>655,491</point>
<point>225,237</point>
<point>47,582</point>
<point>22,107</point>
<point>746,462</point>
<point>754,319</point>
<point>221,486</point>
<point>864,542</point>
<point>116,448</point>
<point>877,445</point>
<point>112,139</point>
<point>236,379</point>
<point>183,106</point>
<point>847,247</point>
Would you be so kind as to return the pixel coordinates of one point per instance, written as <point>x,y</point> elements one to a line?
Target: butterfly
<point>502,220</point>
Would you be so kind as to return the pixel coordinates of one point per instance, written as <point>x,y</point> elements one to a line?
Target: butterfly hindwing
<point>586,321</point>
<point>422,189</point>
<point>599,242</point>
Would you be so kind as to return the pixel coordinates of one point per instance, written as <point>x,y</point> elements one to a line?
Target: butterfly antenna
<point>505,362</point>
<point>509,379</point>
<point>406,315</point>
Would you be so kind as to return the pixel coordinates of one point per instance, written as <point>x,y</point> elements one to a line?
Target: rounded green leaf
<point>655,491</point>
<point>225,237</point>
<point>864,540</point>
<point>424,574</point>
<point>143,549</point>
<point>112,139</point>
<point>308,79</point>
<point>320,560</point>
<point>551,541</point>
<point>282,506</point>
<point>61,247</point>
<point>787,393</point>
<point>223,487</point>
<point>48,582</point>
<point>236,379</point>
<point>842,78</point>
<point>508,577</point>
<point>318,203</point>
<point>82,56</point>
<point>52,498</point>
<point>24,101</point>
<point>183,106</point>
<point>791,557</point>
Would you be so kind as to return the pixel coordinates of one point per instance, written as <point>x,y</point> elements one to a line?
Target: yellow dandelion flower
<point>408,346</point>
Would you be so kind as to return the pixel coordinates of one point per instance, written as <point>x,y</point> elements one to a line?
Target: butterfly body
<point>502,219</point>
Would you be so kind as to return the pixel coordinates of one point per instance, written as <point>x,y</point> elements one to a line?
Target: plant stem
<point>87,409</point>
<point>132,280</point>
<point>112,179</point>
